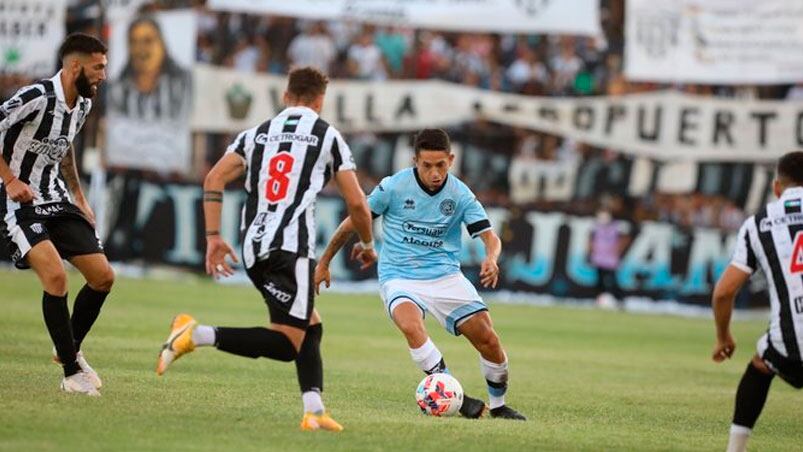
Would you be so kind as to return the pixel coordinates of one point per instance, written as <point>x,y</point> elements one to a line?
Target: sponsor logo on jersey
<point>279,294</point>
<point>48,210</point>
<point>53,150</point>
<point>447,207</point>
<point>37,228</point>
<point>787,220</point>
<point>287,137</point>
<point>429,243</point>
<point>409,203</point>
<point>431,230</point>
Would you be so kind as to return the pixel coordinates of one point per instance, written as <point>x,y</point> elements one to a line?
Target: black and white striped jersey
<point>36,129</point>
<point>288,159</point>
<point>773,241</point>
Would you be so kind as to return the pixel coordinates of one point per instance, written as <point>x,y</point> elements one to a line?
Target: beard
<point>83,86</point>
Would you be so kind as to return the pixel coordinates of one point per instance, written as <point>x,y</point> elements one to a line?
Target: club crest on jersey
<point>447,207</point>
<point>409,203</point>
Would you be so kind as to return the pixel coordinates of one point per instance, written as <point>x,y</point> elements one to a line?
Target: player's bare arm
<point>359,213</point>
<point>342,235</point>
<point>70,173</point>
<point>489,272</point>
<point>227,169</point>
<point>17,190</point>
<point>725,292</point>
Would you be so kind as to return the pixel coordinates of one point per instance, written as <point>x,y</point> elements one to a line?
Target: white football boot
<point>88,370</point>
<point>79,383</point>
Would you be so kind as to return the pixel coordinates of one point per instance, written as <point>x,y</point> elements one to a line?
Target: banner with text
<point>30,35</point>
<point>714,41</point>
<point>580,17</point>
<point>664,125</point>
<point>545,252</point>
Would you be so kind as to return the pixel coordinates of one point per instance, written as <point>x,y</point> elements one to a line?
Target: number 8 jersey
<point>288,160</point>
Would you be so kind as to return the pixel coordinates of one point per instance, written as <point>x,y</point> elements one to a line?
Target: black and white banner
<point>714,41</point>
<point>150,91</point>
<point>662,125</point>
<point>31,32</point>
<point>544,251</point>
<point>580,17</point>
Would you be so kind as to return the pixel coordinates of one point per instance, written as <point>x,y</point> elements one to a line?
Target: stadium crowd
<point>541,65</point>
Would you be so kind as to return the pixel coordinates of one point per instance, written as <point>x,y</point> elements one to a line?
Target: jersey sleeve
<point>474,217</point>
<point>744,258</point>
<point>20,106</point>
<point>379,199</point>
<point>238,145</point>
<point>342,160</point>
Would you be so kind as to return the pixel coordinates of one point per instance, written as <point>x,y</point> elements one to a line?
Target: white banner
<point>150,91</point>
<point>580,17</point>
<point>714,41</point>
<point>31,32</point>
<point>664,125</point>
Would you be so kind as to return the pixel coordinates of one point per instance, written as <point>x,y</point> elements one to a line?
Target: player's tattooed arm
<point>489,272</point>
<point>339,238</point>
<point>70,173</point>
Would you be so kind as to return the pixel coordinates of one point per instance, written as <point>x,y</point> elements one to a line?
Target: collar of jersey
<point>298,109</point>
<point>59,89</point>
<point>792,191</point>
<point>424,187</point>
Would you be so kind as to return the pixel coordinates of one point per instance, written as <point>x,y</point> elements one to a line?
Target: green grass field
<point>588,380</point>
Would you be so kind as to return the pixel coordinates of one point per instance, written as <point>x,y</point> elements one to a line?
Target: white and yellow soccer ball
<point>439,395</point>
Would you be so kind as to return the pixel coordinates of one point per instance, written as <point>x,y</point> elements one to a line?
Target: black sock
<point>309,365</point>
<point>57,320</point>
<point>256,342</point>
<point>85,312</point>
<point>750,396</point>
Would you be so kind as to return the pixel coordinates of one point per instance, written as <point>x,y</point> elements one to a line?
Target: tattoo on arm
<point>340,237</point>
<point>70,172</point>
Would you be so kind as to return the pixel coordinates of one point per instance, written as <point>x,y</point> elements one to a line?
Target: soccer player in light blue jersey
<point>422,210</point>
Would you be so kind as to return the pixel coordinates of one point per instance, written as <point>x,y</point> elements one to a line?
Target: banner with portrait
<point>578,17</point>
<point>31,32</point>
<point>661,125</point>
<point>714,41</point>
<point>149,93</point>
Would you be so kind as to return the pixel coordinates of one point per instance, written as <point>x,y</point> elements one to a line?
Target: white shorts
<point>451,299</point>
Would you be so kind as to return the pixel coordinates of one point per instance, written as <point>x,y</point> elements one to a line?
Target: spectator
<point>314,47</point>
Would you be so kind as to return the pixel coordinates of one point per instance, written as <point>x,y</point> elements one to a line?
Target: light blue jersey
<point>421,228</point>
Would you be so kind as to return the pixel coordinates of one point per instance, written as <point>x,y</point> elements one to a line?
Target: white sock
<point>495,373</point>
<point>203,335</point>
<point>312,402</point>
<point>427,356</point>
<point>738,438</point>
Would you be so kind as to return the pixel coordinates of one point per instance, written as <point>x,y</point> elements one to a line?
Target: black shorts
<point>285,281</point>
<point>790,371</point>
<point>62,223</point>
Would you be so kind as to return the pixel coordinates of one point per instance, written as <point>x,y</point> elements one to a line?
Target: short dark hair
<point>81,43</point>
<point>432,140</point>
<point>790,167</point>
<point>306,83</point>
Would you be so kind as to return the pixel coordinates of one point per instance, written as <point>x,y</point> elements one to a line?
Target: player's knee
<point>55,282</point>
<point>103,281</point>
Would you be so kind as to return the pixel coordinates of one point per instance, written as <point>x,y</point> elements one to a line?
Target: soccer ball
<point>439,395</point>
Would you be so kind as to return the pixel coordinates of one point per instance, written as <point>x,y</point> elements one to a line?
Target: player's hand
<point>322,275</point>
<point>19,191</point>
<point>216,251</point>
<point>366,257</point>
<point>723,349</point>
<point>489,273</point>
<point>84,206</point>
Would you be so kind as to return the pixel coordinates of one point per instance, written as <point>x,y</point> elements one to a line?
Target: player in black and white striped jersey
<point>771,240</point>
<point>286,160</point>
<point>44,216</point>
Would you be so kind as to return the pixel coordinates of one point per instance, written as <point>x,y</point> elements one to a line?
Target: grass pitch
<point>588,380</point>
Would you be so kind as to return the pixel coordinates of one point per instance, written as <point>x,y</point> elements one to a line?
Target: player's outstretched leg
<point>479,331</point>
<point>309,367</point>
<point>750,398</point>
<point>425,353</point>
